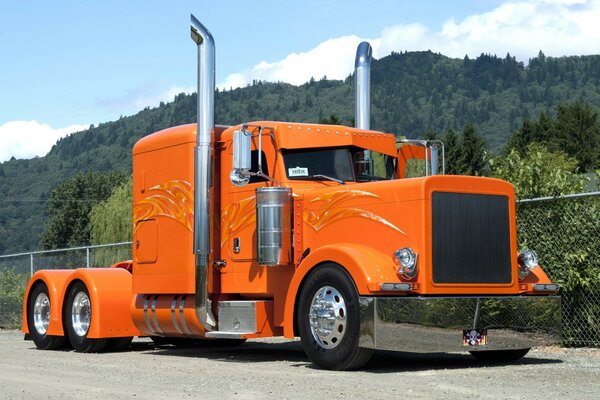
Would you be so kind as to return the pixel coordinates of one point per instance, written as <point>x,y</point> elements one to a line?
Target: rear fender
<point>364,265</point>
<point>110,291</point>
<point>55,280</point>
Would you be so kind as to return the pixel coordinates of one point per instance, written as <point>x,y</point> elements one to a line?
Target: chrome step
<point>227,335</point>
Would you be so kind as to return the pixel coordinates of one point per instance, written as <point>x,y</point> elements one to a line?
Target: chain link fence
<point>15,270</point>
<point>565,232</point>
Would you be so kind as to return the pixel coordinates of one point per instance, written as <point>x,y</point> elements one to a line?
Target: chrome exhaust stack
<point>203,168</point>
<point>362,91</point>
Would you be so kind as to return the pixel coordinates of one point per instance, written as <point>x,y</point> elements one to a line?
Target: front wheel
<point>329,320</point>
<point>79,318</point>
<point>499,356</point>
<point>38,319</point>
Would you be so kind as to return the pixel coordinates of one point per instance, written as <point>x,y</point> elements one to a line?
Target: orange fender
<point>111,294</point>
<point>55,280</point>
<point>364,265</point>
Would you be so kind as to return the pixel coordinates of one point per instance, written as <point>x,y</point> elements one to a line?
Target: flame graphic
<point>328,213</point>
<point>236,217</point>
<point>172,199</point>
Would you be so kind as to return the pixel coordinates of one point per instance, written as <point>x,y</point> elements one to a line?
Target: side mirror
<point>242,145</point>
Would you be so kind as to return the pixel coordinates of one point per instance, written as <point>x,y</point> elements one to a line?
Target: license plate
<point>474,337</point>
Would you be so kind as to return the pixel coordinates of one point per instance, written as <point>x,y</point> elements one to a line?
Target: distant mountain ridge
<point>411,93</point>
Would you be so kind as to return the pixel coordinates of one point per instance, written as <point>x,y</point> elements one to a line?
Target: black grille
<point>470,238</point>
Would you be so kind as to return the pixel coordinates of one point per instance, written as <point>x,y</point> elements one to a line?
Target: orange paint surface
<point>110,294</point>
<point>357,225</point>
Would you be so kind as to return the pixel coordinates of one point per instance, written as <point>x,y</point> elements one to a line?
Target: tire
<point>331,342</point>
<point>119,344</point>
<point>38,319</point>
<point>78,320</point>
<point>499,356</point>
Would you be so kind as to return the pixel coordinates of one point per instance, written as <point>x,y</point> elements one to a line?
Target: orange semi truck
<point>286,229</point>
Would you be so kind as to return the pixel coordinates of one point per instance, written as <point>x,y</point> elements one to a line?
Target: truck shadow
<point>390,361</point>
<point>292,352</point>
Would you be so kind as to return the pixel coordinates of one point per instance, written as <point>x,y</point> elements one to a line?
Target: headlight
<point>406,259</point>
<point>527,260</point>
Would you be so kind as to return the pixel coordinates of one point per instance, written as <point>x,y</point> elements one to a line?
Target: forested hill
<point>411,93</point>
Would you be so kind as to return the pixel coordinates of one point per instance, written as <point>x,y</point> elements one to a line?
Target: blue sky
<point>67,64</point>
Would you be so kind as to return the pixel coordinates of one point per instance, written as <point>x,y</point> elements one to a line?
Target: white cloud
<point>27,139</point>
<point>330,58</point>
<point>521,28</point>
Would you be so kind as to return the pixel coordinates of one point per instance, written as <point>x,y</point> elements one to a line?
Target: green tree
<point>574,130</point>
<point>539,172</point>
<point>430,134</point>
<point>453,152</point>
<point>111,220</point>
<point>69,206</point>
<point>522,137</point>
<point>411,91</point>
<point>473,154</point>
<point>578,133</point>
<point>331,120</point>
<point>12,291</point>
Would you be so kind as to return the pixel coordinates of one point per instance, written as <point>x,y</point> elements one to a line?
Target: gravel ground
<point>275,368</point>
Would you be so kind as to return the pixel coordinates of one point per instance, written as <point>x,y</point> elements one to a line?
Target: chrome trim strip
<point>228,335</point>
<point>158,330</point>
<point>182,317</point>
<point>436,324</point>
<point>174,315</point>
<point>146,301</point>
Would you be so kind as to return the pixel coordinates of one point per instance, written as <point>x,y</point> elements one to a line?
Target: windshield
<point>379,167</point>
<point>316,163</point>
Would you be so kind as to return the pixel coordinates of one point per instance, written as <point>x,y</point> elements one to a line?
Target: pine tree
<point>431,134</point>
<point>331,120</point>
<point>578,133</point>
<point>472,160</point>
<point>521,137</point>
<point>453,152</point>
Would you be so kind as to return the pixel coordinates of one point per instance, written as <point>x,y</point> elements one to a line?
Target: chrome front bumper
<point>436,324</point>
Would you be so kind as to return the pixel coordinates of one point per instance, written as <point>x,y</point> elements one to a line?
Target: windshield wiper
<point>341,182</point>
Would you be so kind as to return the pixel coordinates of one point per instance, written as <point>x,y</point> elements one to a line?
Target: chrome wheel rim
<point>327,317</point>
<point>41,313</point>
<point>81,314</point>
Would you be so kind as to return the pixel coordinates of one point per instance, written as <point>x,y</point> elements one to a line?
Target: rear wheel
<point>499,356</point>
<point>38,319</point>
<point>78,320</point>
<point>329,320</point>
